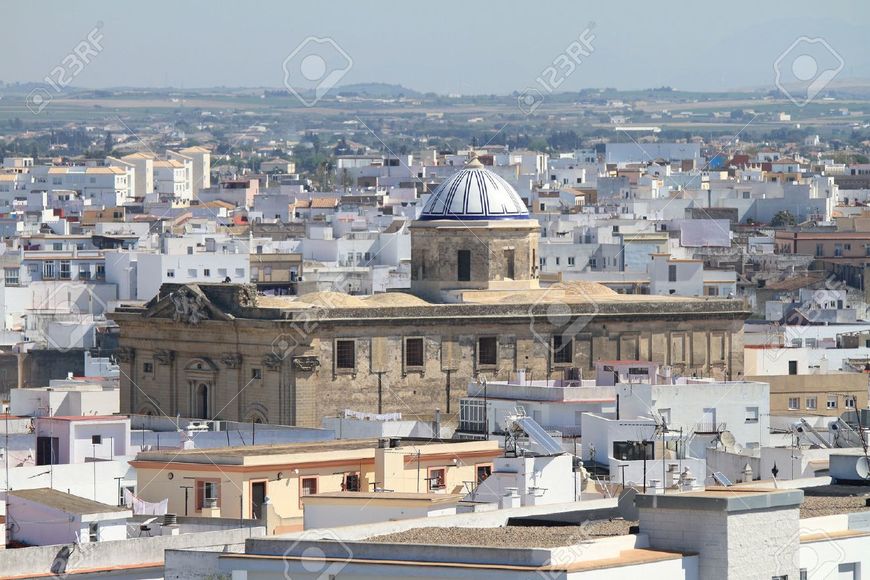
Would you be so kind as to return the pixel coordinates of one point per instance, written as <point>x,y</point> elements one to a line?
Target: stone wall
<point>283,371</point>
<point>38,367</point>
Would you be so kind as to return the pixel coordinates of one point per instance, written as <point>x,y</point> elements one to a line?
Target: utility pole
<point>643,444</point>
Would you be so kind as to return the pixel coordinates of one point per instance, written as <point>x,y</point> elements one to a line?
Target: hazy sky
<point>449,46</point>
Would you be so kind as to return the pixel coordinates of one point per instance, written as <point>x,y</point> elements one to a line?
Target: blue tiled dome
<point>474,193</point>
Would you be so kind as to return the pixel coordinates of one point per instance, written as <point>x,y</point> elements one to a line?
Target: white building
<point>44,517</point>
<point>103,186</point>
<point>173,178</point>
<point>139,275</point>
<point>201,169</point>
<point>556,405</point>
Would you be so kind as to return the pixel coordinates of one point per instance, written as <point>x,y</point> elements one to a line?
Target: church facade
<point>220,351</point>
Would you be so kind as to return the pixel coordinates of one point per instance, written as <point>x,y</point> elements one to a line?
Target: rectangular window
<point>148,367</point>
<point>48,270</point>
<point>256,373</point>
<point>307,486</point>
<point>751,414</point>
<point>792,367</point>
<point>64,270</point>
<point>437,478</point>
<point>207,490</point>
<point>832,402</point>
<point>820,250</point>
<point>94,532</point>
<point>413,352</point>
<point>570,260</point>
<point>11,276</point>
<point>849,402</point>
<point>483,471</point>
<point>672,273</point>
<point>510,264</point>
<point>191,272</point>
<point>351,482</point>
<point>794,403</point>
<point>633,450</point>
<point>463,262</point>
<point>206,272</point>
<point>345,354</point>
<point>812,403</point>
<point>170,273</point>
<point>487,351</point>
<point>563,349</point>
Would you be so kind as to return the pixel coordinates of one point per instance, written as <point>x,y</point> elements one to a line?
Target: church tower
<point>474,234</point>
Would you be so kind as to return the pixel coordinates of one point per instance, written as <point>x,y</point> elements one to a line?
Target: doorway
<point>202,401</point>
<point>258,497</point>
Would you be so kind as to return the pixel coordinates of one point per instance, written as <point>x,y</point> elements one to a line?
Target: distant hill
<point>384,90</point>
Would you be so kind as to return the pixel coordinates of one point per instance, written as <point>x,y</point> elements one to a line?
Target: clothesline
<point>145,508</point>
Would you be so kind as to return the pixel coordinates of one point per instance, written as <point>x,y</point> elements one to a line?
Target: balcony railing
<point>709,428</point>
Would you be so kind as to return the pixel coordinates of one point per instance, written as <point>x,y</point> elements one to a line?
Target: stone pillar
<point>22,356</point>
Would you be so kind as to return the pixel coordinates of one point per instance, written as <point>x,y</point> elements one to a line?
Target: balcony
<point>709,428</point>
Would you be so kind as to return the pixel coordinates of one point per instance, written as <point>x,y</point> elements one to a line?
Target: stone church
<point>475,309</point>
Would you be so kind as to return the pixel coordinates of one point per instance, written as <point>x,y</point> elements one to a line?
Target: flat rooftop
<point>71,504</point>
<point>508,536</point>
<point>834,498</point>
<point>386,496</point>
<point>239,453</point>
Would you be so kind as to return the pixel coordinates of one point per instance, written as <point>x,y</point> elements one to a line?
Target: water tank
<point>849,468</point>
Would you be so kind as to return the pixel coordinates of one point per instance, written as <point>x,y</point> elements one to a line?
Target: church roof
<point>474,193</point>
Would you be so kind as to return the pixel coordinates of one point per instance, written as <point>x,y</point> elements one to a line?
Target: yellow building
<point>234,481</point>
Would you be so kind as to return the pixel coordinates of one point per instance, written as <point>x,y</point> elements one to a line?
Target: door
<point>709,420</point>
<point>202,402</point>
<point>510,267</point>
<point>47,449</point>
<point>258,496</point>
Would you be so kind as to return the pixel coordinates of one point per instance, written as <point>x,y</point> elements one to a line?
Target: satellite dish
<point>834,426</point>
<point>626,506</point>
<point>862,467</point>
<point>727,439</point>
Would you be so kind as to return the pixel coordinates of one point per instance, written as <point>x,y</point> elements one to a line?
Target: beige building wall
<point>839,386</point>
<point>408,468</point>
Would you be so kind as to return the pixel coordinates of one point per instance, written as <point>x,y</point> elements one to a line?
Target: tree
<point>783,218</point>
<point>109,144</point>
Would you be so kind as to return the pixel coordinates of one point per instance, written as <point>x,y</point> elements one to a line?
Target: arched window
<point>202,401</point>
